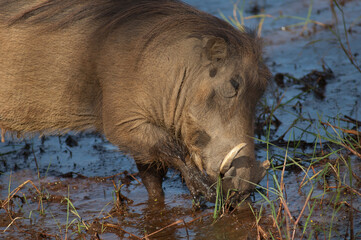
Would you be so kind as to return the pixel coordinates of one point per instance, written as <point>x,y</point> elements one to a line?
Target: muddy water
<point>86,174</point>
<point>90,171</point>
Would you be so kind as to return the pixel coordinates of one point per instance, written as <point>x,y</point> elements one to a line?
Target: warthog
<point>168,84</point>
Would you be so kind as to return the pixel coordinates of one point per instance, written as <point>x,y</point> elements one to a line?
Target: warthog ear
<point>215,49</point>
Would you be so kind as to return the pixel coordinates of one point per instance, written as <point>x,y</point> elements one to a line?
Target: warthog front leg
<point>152,178</point>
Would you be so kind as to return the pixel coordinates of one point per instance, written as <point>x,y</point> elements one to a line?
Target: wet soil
<point>79,186</point>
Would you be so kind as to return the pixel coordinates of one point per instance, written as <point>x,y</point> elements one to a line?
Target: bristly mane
<point>175,17</point>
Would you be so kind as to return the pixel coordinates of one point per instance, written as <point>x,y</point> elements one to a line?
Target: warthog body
<point>168,84</point>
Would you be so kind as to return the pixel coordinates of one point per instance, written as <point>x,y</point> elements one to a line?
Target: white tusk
<point>266,164</point>
<point>198,161</point>
<point>227,161</point>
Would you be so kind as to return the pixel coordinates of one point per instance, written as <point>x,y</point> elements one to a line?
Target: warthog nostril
<point>266,164</point>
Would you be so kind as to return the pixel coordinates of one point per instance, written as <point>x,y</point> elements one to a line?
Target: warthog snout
<point>241,172</point>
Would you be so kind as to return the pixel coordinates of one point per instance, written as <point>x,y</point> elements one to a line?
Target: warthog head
<point>219,122</point>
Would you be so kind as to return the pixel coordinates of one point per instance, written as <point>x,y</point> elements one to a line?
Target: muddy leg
<point>152,178</point>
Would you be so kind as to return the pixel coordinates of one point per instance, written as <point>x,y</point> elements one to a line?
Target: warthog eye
<point>213,72</point>
<point>235,84</point>
<point>231,87</point>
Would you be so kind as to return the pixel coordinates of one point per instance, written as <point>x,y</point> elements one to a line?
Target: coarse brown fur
<point>137,71</point>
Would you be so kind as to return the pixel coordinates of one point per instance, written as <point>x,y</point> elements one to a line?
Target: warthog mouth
<point>203,186</point>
